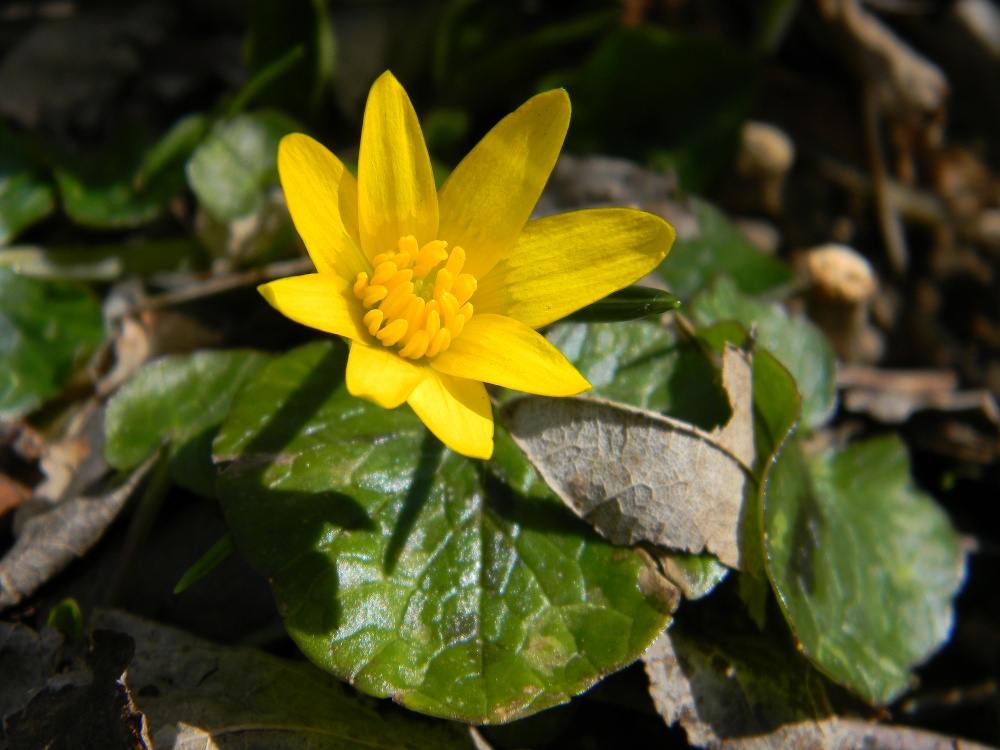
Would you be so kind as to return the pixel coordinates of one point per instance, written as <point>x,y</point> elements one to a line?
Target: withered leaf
<point>638,476</point>
<point>58,534</point>
<point>745,691</point>
<point>200,696</point>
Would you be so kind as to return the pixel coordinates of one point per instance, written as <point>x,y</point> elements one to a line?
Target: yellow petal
<point>563,262</point>
<point>396,195</point>
<point>457,411</point>
<point>319,300</point>
<point>492,192</point>
<point>504,352</point>
<point>322,198</point>
<point>380,375</point>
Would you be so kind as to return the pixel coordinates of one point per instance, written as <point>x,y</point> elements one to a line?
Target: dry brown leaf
<point>727,703</point>
<point>54,537</point>
<point>638,476</point>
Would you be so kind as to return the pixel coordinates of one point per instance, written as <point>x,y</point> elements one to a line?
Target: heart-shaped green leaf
<point>46,329</point>
<point>865,564</point>
<point>414,572</point>
<point>182,399</point>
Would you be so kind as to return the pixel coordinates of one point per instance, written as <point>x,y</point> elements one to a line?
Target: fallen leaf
<point>75,461</point>
<point>57,535</point>
<point>638,476</point>
<point>199,695</point>
<point>734,683</point>
<point>92,716</point>
<point>743,690</point>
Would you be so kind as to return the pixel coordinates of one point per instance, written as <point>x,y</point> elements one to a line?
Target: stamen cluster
<point>413,301</point>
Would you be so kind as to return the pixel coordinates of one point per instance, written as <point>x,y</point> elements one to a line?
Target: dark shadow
<point>744,682</point>
<point>431,450</point>
<point>295,520</point>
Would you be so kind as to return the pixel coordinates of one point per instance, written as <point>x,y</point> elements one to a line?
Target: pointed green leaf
<point>181,399</point>
<point>631,303</point>
<point>865,564</point>
<point>411,571</point>
<point>47,329</point>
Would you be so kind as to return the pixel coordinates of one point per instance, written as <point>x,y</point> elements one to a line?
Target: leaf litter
<point>638,476</point>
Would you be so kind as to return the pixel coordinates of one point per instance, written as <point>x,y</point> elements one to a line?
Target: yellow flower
<point>440,292</point>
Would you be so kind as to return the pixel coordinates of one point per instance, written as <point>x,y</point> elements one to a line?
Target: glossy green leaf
<point>231,168</point>
<point>631,303</point>
<point>100,190</point>
<point>411,571</point>
<point>47,329</point>
<point>181,399</point>
<point>25,195</point>
<point>865,564</point>
<point>677,98</point>
<point>797,343</point>
<point>719,249</point>
<point>645,364</point>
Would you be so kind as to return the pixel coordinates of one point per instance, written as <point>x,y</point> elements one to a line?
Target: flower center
<point>417,299</point>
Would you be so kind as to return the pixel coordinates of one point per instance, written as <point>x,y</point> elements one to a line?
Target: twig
<point>227,283</point>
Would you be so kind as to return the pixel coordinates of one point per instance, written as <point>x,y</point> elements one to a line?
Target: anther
<point>455,325</point>
<point>400,277</point>
<point>373,294</point>
<point>383,271</point>
<point>396,299</point>
<point>408,245</point>
<point>456,261</point>
<point>440,342</point>
<point>433,324</point>
<point>372,320</point>
<point>465,284</point>
<point>392,333</point>
<point>416,347</point>
<point>414,314</point>
<point>449,305</point>
<point>361,285</point>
